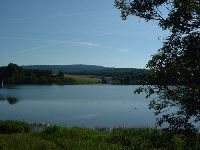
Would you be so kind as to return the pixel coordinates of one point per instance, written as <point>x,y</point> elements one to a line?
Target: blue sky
<point>34,32</point>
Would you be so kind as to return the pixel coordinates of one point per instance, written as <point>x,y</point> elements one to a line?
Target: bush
<point>8,127</point>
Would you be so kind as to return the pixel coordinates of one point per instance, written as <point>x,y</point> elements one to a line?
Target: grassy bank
<point>18,136</point>
<point>83,79</point>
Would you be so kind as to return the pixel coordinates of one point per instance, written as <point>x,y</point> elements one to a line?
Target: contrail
<point>58,42</point>
<point>64,41</point>
<point>101,35</point>
<point>87,43</point>
<point>39,47</point>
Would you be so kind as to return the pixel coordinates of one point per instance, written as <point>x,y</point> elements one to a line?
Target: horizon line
<point>76,64</point>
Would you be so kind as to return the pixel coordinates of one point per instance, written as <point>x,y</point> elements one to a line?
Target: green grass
<point>59,138</point>
<point>83,79</point>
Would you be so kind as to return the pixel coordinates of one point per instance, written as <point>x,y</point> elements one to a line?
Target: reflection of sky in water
<point>83,105</point>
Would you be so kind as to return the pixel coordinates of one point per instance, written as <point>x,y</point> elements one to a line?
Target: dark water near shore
<point>77,105</point>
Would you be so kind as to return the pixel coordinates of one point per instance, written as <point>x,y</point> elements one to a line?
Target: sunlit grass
<point>83,79</point>
<point>55,137</point>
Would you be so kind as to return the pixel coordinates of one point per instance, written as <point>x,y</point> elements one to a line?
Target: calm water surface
<point>77,105</point>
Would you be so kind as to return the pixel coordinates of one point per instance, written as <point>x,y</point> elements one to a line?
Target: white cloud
<point>87,44</point>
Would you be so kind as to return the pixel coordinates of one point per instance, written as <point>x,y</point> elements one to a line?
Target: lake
<point>77,105</point>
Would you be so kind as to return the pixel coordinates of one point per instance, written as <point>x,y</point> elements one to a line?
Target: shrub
<point>8,127</point>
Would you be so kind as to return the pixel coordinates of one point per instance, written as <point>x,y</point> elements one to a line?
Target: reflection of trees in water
<point>1,97</point>
<point>12,100</point>
<point>9,99</point>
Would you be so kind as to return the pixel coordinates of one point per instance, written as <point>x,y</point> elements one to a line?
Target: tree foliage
<point>176,66</point>
<point>176,15</point>
<point>14,74</point>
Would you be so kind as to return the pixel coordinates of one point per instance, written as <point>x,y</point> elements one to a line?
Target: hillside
<point>110,75</point>
<point>81,69</point>
<point>66,68</point>
<point>71,74</point>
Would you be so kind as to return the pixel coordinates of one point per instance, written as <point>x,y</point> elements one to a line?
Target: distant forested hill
<point>88,70</point>
<point>71,74</point>
<point>117,75</point>
<point>66,68</point>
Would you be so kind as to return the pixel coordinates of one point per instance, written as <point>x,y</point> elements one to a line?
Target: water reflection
<point>9,99</point>
<point>77,105</point>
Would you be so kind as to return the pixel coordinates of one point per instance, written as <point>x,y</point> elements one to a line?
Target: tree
<point>61,75</point>
<point>176,66</point>
<point>104,80</point>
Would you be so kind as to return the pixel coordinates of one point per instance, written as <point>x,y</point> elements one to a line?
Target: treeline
<point>66,68</point>
<point>120,75</point>
<point>14,74</point>
<point>108,75</point>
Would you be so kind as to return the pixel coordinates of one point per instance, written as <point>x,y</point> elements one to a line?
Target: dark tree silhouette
<point>14,74</point>
<point>176,66</point>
